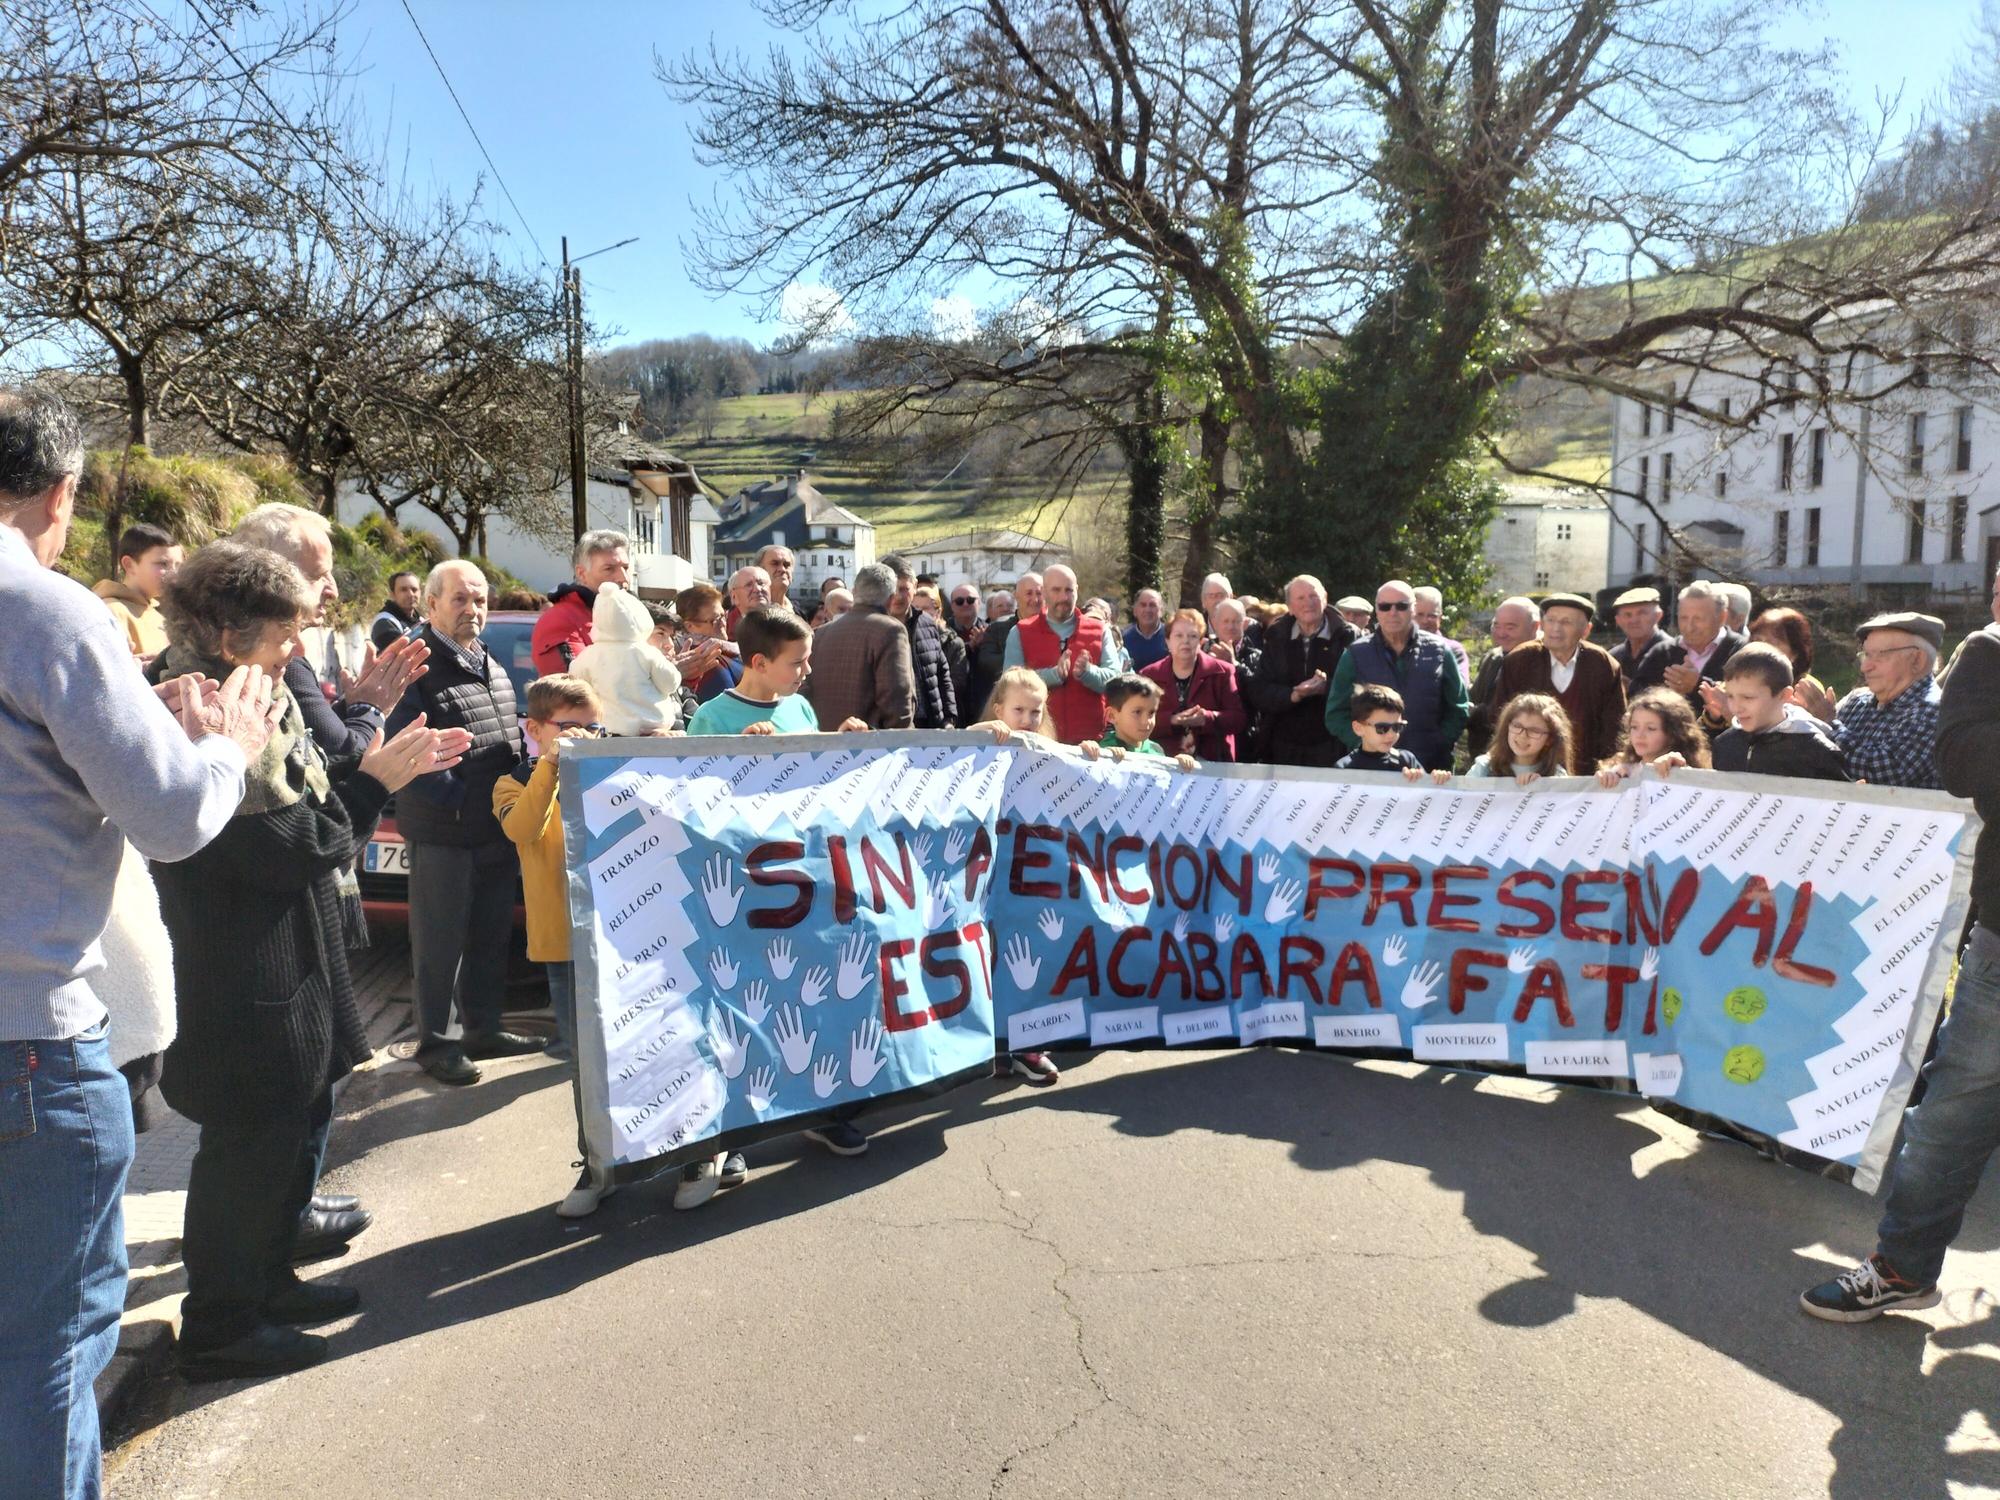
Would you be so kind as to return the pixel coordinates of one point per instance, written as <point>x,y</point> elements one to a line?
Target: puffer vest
<point>455,694</point>
<point>1421,683</point>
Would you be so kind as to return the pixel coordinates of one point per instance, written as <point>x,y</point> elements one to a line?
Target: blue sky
<point>565,99</point>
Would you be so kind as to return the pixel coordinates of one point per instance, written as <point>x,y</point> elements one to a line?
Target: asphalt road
<point>1266,1274</point>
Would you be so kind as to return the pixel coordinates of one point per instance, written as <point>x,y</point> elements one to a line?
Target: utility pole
<point>579,453</point>
<point>571,304</point>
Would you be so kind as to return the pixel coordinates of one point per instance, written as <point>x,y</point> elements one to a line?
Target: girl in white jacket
<point>639,687</point>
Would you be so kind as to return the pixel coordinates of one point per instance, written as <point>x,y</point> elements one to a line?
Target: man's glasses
<point>1389,727</point>
<point>1394,606</point>
<point>1865,657</point>
<point>965,601</point>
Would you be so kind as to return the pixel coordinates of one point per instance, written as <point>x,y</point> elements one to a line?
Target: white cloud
<point>814,311</point>
<point>954,318</point>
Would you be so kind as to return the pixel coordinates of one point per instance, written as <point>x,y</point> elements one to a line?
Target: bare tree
<point>1431,197</point>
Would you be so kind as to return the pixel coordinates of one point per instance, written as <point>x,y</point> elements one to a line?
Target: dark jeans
<point>1949,1138</point>
<point>248,1186</point>
<point>461,914</point>
<point>65,1146</point>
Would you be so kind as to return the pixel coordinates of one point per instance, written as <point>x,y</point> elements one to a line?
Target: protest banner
<point>767,932</point>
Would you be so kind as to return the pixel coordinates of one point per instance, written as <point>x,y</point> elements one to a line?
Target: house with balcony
<point>827,540</point>
<point>989,560</point>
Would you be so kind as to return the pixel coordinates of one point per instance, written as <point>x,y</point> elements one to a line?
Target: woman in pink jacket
<point>1201,713</point>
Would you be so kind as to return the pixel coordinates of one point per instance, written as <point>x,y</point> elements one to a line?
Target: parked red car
<point>385,864</point>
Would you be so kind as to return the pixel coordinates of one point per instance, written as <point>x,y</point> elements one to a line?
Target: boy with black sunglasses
<point>1377,715</point>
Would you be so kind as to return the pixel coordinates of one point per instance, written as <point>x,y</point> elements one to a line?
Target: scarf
<point>289,767</point>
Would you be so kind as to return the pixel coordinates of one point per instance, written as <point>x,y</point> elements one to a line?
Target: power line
<point>475,134</point>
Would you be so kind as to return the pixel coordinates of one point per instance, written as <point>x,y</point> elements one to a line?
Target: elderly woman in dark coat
<point>267,1014</point>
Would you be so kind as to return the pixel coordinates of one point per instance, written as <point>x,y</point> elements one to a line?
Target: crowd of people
<point>201,791</point>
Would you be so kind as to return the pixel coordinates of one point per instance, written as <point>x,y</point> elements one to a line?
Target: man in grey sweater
<point>89,757</point>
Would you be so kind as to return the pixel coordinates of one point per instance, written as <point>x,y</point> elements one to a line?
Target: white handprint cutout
<point>1051,925</point>
<point>722,969</point>
<point>719,892</point>
<point>854,972</point>
<point>795,1043</point>
<point>864,1059</point>
<point>921,851</point>
<point>1225,928</point>
<point>756,1001</point>
<point>1268,867</point>
<point>1284,900</point>
<point>1521,959</point>
<point>956,843</point>
<point>814,989</point>
<point>1649,965</point>
<point>826,1076</point>
<point>1394,951</point>
<point>1181,928</point>
<point>781,960</point>
<point>727,1044</point>
<point>1421,988</point>
<point>760,1088</point>
<point>937,906</point>
<point>1022,965</point>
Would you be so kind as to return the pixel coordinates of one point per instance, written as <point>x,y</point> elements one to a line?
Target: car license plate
<point>387,859</point>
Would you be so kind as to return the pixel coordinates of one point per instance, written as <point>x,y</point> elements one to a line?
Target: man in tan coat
<point>861,663</point>
<point>1582,677</point>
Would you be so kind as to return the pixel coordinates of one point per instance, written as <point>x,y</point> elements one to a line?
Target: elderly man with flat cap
<point>1580,676</point>
<point>1642,655</point>
<point>1887,728</point>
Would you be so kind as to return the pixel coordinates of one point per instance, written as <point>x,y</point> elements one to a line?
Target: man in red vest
<point>1074,654</point>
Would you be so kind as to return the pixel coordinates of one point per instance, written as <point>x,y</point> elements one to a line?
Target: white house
<point>1543,538</point>
<point>1891,502</point>
<point>988,559</point>
<point>645,492</point>
<point>827,540</point>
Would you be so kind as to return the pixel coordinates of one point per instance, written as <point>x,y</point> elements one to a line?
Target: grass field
<point>757,438</point>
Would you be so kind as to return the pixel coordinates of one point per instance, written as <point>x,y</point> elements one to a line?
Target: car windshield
<point>509,641</point>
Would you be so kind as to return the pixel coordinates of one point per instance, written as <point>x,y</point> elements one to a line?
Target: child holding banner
<point>1660,731</point>
<point>559,709</point>
<point>1531,739</point>
<point>777,654</point>
<point>1132,703</point>
<point>1377,715</point>
<point>1767,740</point>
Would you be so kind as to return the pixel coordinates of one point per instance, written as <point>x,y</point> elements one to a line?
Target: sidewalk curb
<point>151,1324</point>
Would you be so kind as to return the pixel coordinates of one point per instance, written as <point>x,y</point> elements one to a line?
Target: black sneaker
<point>265,1350</point>
<point>1867,1291</point>
<point>305,1302</point>
<point>734,1169</point>
<point>841,1138</point>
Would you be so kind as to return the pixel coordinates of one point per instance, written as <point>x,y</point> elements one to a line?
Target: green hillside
<point>755,438</point>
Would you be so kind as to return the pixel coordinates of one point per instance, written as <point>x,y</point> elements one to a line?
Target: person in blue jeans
<point>89,757</point>
<point>1951,1135</point>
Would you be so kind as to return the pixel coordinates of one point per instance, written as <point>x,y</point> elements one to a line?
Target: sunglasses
<point>965,601</point>
<point>1387,727</point>
<point>1391,606</point>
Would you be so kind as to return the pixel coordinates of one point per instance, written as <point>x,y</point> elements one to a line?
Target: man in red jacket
<point>1075,655</point>
<point>564,628</point>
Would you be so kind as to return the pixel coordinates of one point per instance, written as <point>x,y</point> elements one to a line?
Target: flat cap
<point>1570,601</point>
<point>1636,596</point>
<point>1924,627</point>
<point>1355,601</point>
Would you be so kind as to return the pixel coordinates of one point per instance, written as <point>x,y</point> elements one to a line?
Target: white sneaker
<point>699,1182</point>
<point>583,1199</point>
